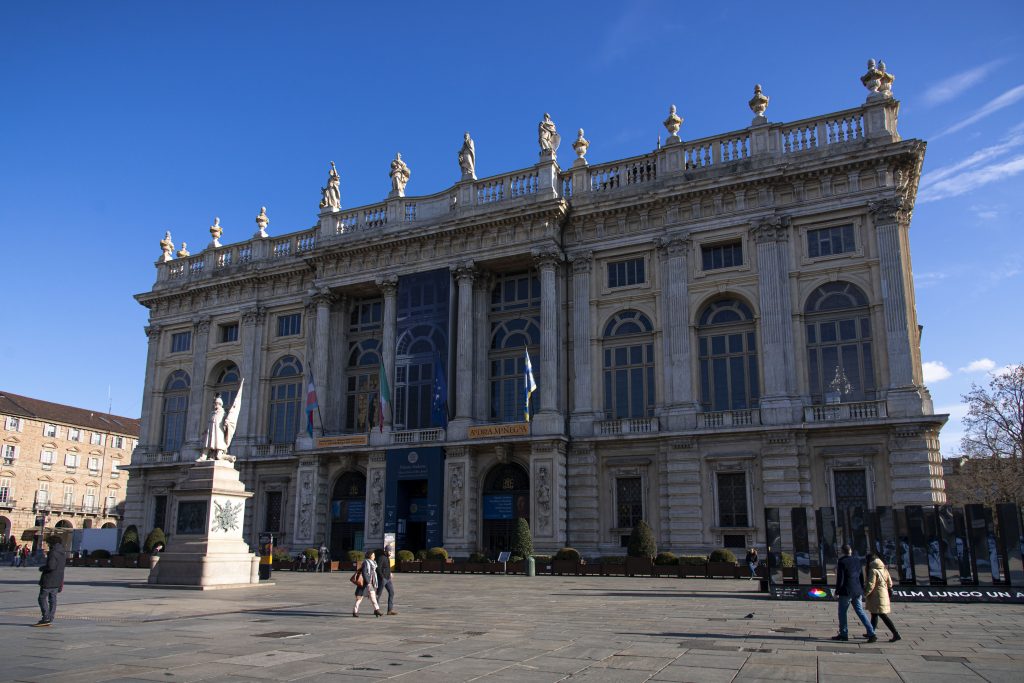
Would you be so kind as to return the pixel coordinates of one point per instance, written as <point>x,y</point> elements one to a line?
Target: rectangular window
<point>50,431</point>
<point>10,454</point>
<point>94,465</point>
<point>13,424</point>
<point>46,457</point>
<point>722,255</point>
<point>71,460</point>
<point>181,342</point>
<point>89,500</point>
<point>117,441</point>
<point>228,333</point>
<point>289,325</point>
<point>625,273</point>
<point>732,499</point>
<point>111,504</point>
<point>114,472</point>
<point>829,241</point>
<point>629,502</point>
<point>96,439</point>
<point>366,315</point>
<point>272,518</point>
<point>5,491</point>
<point>69,495</point>
<point>74,434</point>
<point>160,512</point>
<point>43,494</point>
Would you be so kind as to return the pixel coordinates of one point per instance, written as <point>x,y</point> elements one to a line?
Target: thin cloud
<point>972,180</point>
<point>935,371</point>
<point>1013,140</point>
<point>980,365</point>
<point>948,89</point>
<point>922,280</point>
<point>1007,99</point>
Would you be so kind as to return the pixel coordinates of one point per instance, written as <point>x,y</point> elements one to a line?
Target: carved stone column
<point>548,420</point>
<point>197,408</point>
<point>681,409</point>
<point>456,485</point>
<point>906,395</point>
<point>307,487</point>
<point>584,525</point>
<point>915,465</point>
<point>482,331</point>
<point>389,287</point>
<point>253,320</point>
<point>547,484</point>
<point>581,423</point>
<point>303,440</point>
<point>779,403</point>
<point>376,497</point>
<point>149,430</point>
<point>463,390</point>
<point>337,359</point>
<point>322,299</point>
<point>685,492</point>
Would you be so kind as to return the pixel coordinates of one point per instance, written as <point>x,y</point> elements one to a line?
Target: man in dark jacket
<point>850,589</point>
<point>384,580</point>
<point>52,580</point>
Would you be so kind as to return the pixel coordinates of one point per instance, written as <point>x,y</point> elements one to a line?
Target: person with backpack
<point>877,594</point>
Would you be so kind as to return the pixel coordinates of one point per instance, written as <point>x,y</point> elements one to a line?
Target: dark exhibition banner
<point>935,553</point>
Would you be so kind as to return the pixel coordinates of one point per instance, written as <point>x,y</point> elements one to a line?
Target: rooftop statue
<point>331,195</point>
<point>399,175</point>
<point>183,252</point>
<point>758,104</point>
<point>872,80</point>
<point>672,124</point>
<point>167,247</point>
<point>221,429</point>
<point>215,232</point>
<point>262,222</point>
<point>547,135</point>
<point>581,146</point>
<point>467,158</point>
<point>885,84</point>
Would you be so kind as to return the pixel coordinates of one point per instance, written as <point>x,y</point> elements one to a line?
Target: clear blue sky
<point>121,120</point>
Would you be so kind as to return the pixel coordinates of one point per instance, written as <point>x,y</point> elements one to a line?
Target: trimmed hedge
<point>156,536</point>
<point>522,544</point>
<point>355,556</point>
<point>613,559</point>
<point>568,554</point>
<point>100,554</point>
<point>641,541</point>
<point>722,555</point>
<point>478,558</point>
<point>666,559</point>
<point>691,560</point>
<point>405,556</point>
<point>311,553</point>
<point>281,555</point>
<point>437,554</point>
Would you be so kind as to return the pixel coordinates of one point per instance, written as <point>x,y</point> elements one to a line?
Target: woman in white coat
<point>368,570</point>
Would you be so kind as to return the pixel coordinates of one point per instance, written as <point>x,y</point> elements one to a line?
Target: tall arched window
<point>416,360</point>
<point>838,324</point>
<point>628,366</point>
<point>727,350</point>
<point>175,411</point>
<point>515,328</point>
<point>285,400</point>
<point>225,383</point>
<point>363,378</point>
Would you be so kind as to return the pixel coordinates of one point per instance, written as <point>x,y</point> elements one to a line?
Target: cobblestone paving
<point>484,628</point>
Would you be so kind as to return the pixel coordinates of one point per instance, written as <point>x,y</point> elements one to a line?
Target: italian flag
<point>385,396</point>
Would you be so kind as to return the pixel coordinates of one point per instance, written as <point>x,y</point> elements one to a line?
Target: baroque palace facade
<point>63,464</point>
<point>716,326</point>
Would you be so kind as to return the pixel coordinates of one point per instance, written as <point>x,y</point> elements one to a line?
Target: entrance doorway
<point>348,514</point>
<point>413,513</point>
<point>506,499</point>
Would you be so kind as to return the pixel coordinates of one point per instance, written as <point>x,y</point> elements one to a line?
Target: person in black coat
<point>850,590</point>
<point>52,580</point>
<point>384,580</point>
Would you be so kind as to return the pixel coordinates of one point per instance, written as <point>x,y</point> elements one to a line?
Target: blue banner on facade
<point>415,496</point>
<point>356,512</point>
<point>498,506</point>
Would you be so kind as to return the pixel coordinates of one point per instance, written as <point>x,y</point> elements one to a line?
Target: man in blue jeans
<point>52,580</point>
<point>850,590</point>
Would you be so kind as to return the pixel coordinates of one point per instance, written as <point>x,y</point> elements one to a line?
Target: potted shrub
<point>722,564</point>
<point>693,566</point>
<point>407,562</point>
<point>129,542</point>
<point>567,561</point>
<point>666,564</point>
<point>641,550</point>
<point>282,559</point>
<point>542,564</point>
<point>436,560</point>
<point>522,546</point>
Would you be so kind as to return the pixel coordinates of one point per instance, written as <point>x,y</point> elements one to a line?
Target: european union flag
<point>439,402</point>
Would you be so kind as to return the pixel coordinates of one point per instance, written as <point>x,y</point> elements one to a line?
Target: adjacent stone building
<point>61,463</point>
<point>714,326</point>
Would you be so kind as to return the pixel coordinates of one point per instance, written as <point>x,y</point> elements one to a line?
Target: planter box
<point>613,569</point>
<point>591,570</point>
<point>335,565</point>
<point>638,565</point>
<point>410,566</point>
<point>517,567</point>
<point>665,570</point>
<point>432,565</point>
<point>721,570</point>
<point>561,567</point>
<point>143,560</point>
<point>476,567</point>
<point>119,562</point>
<point>693,570</point>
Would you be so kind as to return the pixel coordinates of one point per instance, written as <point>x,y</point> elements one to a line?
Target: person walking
<point>384,580</point>
<point>52,580</point>
<point>17,556</point>
<point>752,562</point>
<point>876,594</point>
<point>322,558</point>
<point>368,570</point>
<point>850,590</point>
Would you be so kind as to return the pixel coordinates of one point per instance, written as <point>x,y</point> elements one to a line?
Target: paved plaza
<point>483,628</point>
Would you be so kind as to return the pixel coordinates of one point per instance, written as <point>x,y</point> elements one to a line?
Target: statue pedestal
<point>207,550</point>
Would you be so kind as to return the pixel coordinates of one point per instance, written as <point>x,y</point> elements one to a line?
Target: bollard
<point>531,566</point>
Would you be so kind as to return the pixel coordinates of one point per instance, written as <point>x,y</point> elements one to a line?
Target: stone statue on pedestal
<point>221,429</point>
<point>183,252</point>
<point>215,232</point>
<point>167,247</point>
<point>399,175</point>
<point>262,222</point>
<point>547,136</point>
<point>467,158</point>
<point>872,80</point>
<point>758,104</point>
<point>581,146</point>
<point>331,195</point>
<point>672,124</point>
